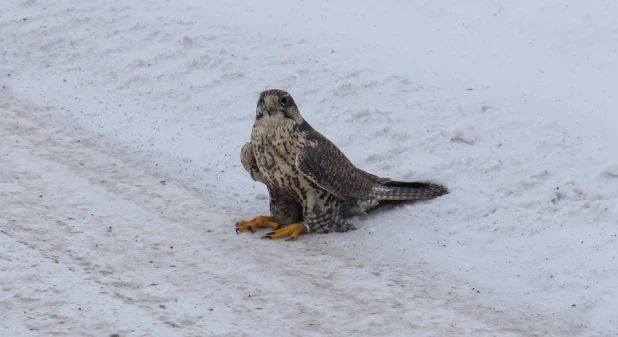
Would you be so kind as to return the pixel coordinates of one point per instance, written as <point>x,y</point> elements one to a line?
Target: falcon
<point>312,185</point>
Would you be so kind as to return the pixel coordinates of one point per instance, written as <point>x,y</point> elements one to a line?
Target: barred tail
<point>401,190</point>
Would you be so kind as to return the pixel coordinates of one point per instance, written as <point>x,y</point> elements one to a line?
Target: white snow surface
<point>121,125</point>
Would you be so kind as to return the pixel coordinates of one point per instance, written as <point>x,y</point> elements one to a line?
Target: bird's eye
<point>284,100</point>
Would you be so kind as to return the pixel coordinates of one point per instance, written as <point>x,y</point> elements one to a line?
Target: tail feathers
<point>403,190</point>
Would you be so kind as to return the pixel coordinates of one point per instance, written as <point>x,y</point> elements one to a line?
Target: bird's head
<point>277,107</point>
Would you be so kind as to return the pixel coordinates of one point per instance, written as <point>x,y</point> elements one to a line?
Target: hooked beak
<point>270,105</point>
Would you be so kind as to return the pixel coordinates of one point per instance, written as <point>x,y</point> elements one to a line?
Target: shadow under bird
<point>312,185</point>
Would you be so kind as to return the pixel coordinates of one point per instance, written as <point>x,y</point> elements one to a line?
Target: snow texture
<point>121,125</point>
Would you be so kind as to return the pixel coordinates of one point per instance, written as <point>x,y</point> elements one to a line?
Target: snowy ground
<point>120,182</point>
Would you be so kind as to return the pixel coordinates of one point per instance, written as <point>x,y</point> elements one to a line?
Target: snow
<point>120,132</point>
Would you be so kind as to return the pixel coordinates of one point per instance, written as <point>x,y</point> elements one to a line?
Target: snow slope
<point>120,132</point>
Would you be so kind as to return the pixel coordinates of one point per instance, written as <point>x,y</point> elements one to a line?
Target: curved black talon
<point>237,231</point>
<point>268,235</point>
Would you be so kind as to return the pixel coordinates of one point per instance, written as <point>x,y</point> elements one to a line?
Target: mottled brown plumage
<point>309,179</point>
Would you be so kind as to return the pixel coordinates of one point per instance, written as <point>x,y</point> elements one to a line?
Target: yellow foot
<point>293,231</point>
<point>258,222</point>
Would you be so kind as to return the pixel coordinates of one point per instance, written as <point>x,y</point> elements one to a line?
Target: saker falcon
<point>312,184</point>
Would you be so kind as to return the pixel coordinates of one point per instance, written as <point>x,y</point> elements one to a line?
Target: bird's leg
<point>258,222</point>
<point>291,232</point>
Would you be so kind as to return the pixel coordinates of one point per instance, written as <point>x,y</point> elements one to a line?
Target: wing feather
<point>249,163</point>
<point>329,168</point>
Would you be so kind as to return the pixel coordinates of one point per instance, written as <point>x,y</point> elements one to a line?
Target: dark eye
<point>284,100</point>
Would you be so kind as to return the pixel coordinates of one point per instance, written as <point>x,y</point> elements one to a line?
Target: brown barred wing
<point>249,163</point>
<point>324,164</point>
